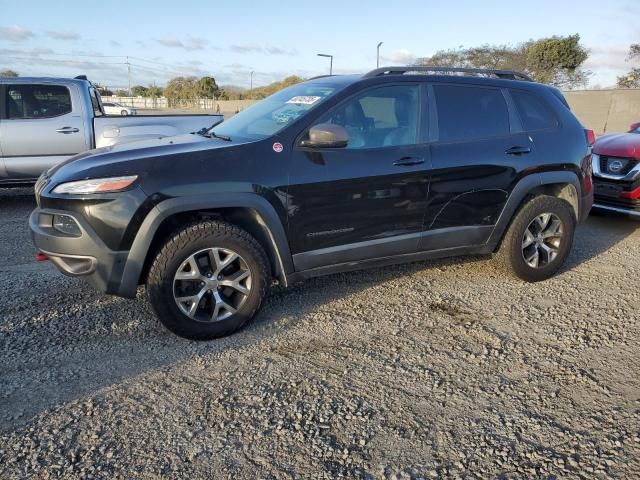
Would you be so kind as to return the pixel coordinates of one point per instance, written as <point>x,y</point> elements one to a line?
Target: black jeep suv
<point>333,174</point>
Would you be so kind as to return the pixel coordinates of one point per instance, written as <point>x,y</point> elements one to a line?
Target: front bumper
<point>83,256</point>
<point>607,196</point>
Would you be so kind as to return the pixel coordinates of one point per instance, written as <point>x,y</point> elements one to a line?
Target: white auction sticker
<point>277,147</point>
<point>304,100</point>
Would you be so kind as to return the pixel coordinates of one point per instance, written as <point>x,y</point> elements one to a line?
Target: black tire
<point>511,255</point>
<point>186,242</point>
<point>124,113</point>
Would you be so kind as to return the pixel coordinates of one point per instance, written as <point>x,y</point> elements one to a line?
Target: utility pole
<point>330,61</point>
<point>251,84</point>
<point>378,56</point>
<point>129,76</point>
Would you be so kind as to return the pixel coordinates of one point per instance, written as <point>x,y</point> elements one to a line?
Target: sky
<point>229,40</point>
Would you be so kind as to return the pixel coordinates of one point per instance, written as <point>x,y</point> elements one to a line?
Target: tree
<point>557,60</point>
<point>8,73</point>
<point>207,87</point>
<point>485,56</point>
<point>181,90</point>
<point>631,79</point>
<point>553,60</point>
<point>139,91</point>
<point>121,93</point>
<point>272,88</point>
<point>153,91</point>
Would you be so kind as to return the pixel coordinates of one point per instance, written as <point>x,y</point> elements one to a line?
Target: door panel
<point>357,198</point>
<point>472,177</point>
<point>44,126</point>
<point>368,199</point>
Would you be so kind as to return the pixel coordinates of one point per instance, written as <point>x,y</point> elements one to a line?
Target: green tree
<point>272,88</point>
<point>485,56</point>
<point>207,87</point>
<point>181,90</point>
<point>8,73</point>
<point>153,91</point>
<point>631,79</point>
<point>139,91</point>
<point>557,60</point>
<point>553,60</point>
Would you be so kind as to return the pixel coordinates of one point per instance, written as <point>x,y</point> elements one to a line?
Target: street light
<point>330,62</point>
<point>378,56</point>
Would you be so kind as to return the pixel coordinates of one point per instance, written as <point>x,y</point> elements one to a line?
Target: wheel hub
<point>542,240</point>
<point>212,284</point>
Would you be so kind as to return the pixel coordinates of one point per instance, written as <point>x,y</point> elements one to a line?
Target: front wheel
<point>124,113</point>
<point>208,280</point>
<point>539,239</point>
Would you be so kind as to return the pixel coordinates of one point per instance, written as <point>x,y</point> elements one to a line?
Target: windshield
<point>269,116</point>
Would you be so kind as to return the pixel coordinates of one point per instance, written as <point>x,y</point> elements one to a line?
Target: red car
<point>616,172</point>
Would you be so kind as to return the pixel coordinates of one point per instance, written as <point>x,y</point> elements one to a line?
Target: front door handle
<point>517,151</point>
<point>68,130</point>
<point>408,161</point>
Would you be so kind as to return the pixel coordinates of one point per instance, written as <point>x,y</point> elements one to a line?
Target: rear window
<point>467,113</point>
<point>37,101</point>
<point>534,113</point>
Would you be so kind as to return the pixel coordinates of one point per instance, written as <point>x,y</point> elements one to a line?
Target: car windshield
<point>269,116</point>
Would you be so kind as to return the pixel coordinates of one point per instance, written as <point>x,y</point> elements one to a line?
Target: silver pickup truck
<point>44,121</point>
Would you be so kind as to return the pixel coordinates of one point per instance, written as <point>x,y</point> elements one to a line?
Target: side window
<point>380,117</point>
<point>37,101</point>
<point>468,113</point>
<point>534,114</point>
<point>95,104</point>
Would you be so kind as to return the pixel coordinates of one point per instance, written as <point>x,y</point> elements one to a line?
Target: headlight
<point>96,185</point>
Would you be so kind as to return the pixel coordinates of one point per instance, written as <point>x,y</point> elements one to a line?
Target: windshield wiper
<point>207,132</point>
<point>226,138</point>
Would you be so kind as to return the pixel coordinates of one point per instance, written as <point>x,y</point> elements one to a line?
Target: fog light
<point>67,225</point>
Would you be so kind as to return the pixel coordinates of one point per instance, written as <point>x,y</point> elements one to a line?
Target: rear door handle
<point>68,130</point>
<point>408,161</point>
<point>518,151</point>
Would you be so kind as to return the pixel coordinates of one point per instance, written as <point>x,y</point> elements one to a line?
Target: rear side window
<point>95,104</point>
<point>467,113</point>
<point>37,101</point>
<point>534,113</point>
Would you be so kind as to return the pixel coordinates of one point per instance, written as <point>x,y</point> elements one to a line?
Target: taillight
<point>591,136</point>
<point>632,195</point>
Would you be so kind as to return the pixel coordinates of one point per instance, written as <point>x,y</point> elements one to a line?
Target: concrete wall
<point>603,111</point>
<point>606,111</point>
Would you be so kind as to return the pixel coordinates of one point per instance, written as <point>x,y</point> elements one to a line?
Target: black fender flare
<point>265,215</point>
<point>523,188</point>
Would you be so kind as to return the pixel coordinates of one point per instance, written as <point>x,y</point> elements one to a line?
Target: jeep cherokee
<point>333,174</point>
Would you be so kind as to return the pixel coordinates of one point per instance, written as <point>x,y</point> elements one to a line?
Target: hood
<point>138,156</point>
<point>624,145</point>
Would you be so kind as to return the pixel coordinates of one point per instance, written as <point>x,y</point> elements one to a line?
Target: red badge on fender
<point>277,147</point>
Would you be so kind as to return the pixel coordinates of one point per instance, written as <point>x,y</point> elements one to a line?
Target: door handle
<point>408,161</point>
<point>68,130</point>
<point>517,151</point>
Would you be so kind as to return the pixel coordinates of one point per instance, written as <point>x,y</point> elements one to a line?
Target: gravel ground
<point>429,370</point>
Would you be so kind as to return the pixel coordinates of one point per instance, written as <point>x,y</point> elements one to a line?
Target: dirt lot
<point>434,369</point>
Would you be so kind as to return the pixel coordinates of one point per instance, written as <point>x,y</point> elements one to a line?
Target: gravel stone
<point>442,369</point>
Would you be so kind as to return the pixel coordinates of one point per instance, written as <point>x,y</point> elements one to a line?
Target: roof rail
<point>506,74</point>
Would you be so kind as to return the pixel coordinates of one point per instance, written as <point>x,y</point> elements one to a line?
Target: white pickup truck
<point>44,121</point>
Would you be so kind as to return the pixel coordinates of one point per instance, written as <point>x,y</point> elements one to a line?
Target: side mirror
<point>326,135</point>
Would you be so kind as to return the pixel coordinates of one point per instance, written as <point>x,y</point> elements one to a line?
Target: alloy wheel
<point>542,240</point>
<point>212,284</point>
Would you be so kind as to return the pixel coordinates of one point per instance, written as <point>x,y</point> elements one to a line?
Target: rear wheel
<point>124,113</point>
<point>208,280</point>
<point>539,239</point>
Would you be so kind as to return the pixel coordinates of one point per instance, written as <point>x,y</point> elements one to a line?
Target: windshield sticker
<point>304,100</point>
<point>277,147</point>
